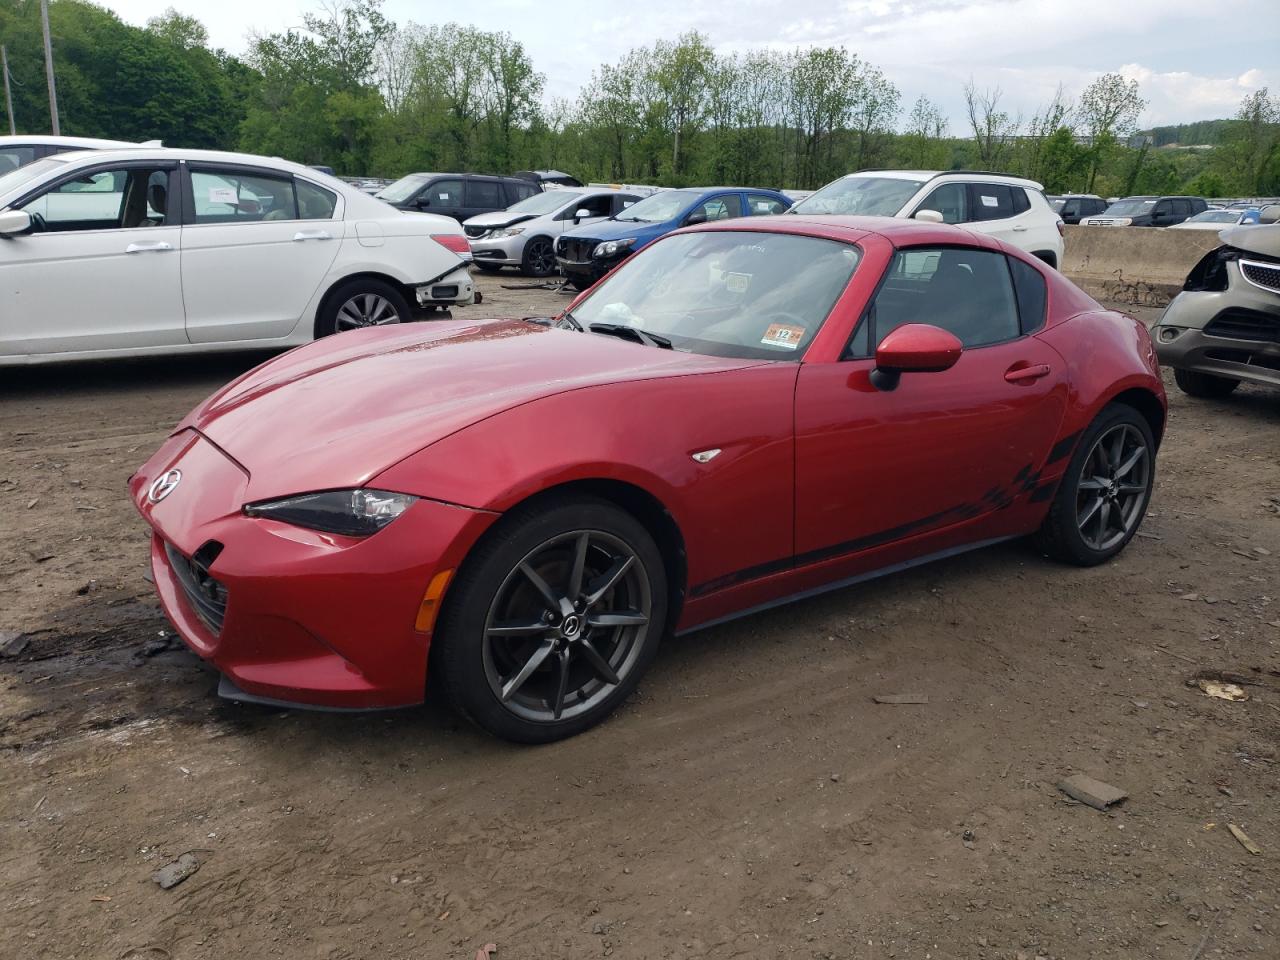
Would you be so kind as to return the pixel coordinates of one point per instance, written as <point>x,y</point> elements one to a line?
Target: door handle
<point>158,247</point>
<point>312,235</point>
<point>1032,372</point>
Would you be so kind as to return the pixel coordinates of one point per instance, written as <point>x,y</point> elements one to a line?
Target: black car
<point>1074,207</point>
<point>1147,212</point>
<point>457,195</point>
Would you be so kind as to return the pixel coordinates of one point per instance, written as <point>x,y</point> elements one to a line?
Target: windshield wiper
<point>571,320</point>
<point>631,333</point>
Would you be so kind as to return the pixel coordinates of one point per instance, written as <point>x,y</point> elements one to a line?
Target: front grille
<point>576,248</point>
<point>207,597</point>
<point>475,232</point>
<point>1264,275</point>
<point>1235,323</point>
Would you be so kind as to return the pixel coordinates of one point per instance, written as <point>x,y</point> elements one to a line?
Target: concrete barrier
<point>1138,265</point>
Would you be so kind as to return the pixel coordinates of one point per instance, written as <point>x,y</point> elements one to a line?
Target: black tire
<point>333,316</point>
<point>492,595</point>
<point>581,283</point>
<point>1204,385</point>
<point>539,259</point>
<point>1063,535</point>
<point>488,267</point>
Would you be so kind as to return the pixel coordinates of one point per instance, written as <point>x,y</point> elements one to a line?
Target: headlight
<point>505,232</point>
<point>352,513</point>
<point>611,247</point>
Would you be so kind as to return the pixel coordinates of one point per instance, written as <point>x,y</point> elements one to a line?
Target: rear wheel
<point>552,620</point>
<point>1104,493</point>
<point>363,302</point>
<point>1205,385</point>
<point>539,258</point>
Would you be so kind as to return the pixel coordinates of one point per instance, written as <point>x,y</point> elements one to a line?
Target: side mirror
<point>14,222</point>
<point>581,214</point>
<point>422,202</point>
<point>698,216</point>
<point>928,216</point>
<point>914,348</point>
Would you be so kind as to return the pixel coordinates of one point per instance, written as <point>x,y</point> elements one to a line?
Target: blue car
<point>585,254</point>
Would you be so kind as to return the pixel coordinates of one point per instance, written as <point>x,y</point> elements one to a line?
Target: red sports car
<point>744,413</point>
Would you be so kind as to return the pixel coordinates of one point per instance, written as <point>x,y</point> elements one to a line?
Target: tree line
<point>353,90</point>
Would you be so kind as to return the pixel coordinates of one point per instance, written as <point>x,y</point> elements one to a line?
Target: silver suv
<point>524,234</point>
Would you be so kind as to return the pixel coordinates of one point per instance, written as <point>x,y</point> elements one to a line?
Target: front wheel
<point>1204,385</point>
<point>1104,493</point>
<point>552,620</point>
<point>539,259</point>
<point>362,303</point>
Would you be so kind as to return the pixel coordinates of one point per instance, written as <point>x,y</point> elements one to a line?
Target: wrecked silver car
<point>1224,327</point>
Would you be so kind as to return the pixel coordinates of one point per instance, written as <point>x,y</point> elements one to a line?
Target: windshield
<point>402,189</point>
<point>864,196</point>
<point>661,206</point>
<point>1131,207</point>
<point>17,178</point>
<point>1215,216</point>
<point>541,203</point>
<point>731,293</point>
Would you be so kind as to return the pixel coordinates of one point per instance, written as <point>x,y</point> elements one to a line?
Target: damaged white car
<point>131,252</point>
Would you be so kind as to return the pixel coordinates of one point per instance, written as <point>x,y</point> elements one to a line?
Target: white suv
<point>1009,208</point>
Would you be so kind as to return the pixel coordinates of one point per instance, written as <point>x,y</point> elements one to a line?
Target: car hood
<point>616,230</point>
<point>499,218</point>
<point>1262,239</point>
<point>336,413</point>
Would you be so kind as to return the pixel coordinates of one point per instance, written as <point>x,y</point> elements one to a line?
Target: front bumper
<point>1232,333</point>
<point>592,269</point>
<point>454,289</point>
<point>506,252</point>
<point>290,614</point>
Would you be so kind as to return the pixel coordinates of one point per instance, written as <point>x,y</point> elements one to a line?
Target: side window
<point>103,200</point>
<point>11,158</point>
<point>1032,293</point>
<point>968,292</point>
<point>623,201</point>
<point>1021,202</point>
<point>314,203</point>
<point>762,205</point>
<point>1069,209</point>
<point>228,196</point>
<point>443,195</point>
<point>1162,208</point>
<point>485,193</point>
<point>600,206</point>
<point>724,207</point>
<point>1181,208</point>
<point>951,200</point>
<point>992,201</point>
<point>518,190</point>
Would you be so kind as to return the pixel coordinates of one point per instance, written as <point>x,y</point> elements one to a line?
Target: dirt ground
<point>750,801</point>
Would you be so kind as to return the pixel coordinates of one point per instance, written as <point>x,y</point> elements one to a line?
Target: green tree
<point>1109,111</point>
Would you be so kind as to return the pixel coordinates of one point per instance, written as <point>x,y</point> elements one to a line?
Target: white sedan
<point>142,251</point>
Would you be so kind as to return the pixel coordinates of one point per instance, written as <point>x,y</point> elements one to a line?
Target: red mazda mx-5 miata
<point>744,413</point>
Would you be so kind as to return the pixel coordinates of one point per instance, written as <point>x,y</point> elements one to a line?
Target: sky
<point>1194,59</point>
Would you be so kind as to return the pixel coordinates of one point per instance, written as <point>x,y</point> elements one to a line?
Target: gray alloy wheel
<point>1112,490</point>
<point>366,310</point>
<point>567,626</point>
<point>539,258</point>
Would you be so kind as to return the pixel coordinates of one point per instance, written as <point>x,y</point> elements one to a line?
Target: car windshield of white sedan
<point>733,293</point>
<point>660,207</point>
<point>860,196</point>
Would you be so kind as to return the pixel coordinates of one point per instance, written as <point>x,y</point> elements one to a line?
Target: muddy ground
<point>750,801</point>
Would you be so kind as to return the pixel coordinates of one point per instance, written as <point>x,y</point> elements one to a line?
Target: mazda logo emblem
<point>164,485</point>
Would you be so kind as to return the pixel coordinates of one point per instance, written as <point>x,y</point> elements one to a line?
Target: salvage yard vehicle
<point>457,195</point>
<point>1147,212</point>
<point>1072,207</point>
<point>1224,327</point>
<point>1008,208</point>
<point>142,251</point>
<point>524,234</point>
<point>1219,219</point>
<point>746,412</point>
<point>587,253</point>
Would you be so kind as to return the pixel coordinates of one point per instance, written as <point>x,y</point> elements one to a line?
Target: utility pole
<point>48,67</point>
<point>8,98</point>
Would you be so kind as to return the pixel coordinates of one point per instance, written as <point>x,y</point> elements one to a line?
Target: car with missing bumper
<point>585,254</point>
<point>139,251</point>
<point>523,509</point>
<point>524,234</point>
<point>1224,327</point>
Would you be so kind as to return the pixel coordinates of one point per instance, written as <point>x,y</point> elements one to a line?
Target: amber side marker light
<point>430,606</point>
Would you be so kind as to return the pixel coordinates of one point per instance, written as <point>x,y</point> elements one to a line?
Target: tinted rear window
<point>1032,294</point>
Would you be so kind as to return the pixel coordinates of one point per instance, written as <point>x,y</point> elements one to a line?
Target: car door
<point>874,466</point>
<point>482,195</point>
<point>995,210</point>
<point>101,269</point>
<point>951,200</point>
<point>720,206</point>
<point>251,262</point>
